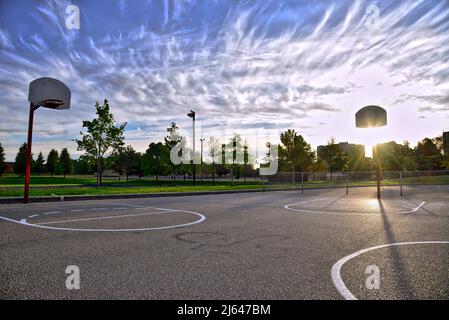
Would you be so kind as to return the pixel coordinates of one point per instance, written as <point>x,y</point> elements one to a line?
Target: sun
<point>370,137</point>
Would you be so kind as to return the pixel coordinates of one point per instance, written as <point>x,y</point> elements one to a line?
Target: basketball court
<point>271,245</point>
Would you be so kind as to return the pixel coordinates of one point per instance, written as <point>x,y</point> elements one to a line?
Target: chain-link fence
<point>397,181</point>
<point>312,180</point>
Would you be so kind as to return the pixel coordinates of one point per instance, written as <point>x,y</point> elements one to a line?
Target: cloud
<point>261,64</point>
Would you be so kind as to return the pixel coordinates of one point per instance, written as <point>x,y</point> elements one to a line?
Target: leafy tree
<point>339,162</point>
<point>101,137</point>
<point>52,162</point>
<point>295,152</point>
<point>131,161</point>
<point>269,157</point>
<point>117,162</point>
<point>445,162</point>
<point>395,157</point>
<point>40,164</point>
<point>428,155</point>
<point>318,166</point>
<point>20,161</point>
<point>155,160</point>
<point>2,159</point>
<point>83,166</point>
<point>66,162</point>
<point>171,140</point>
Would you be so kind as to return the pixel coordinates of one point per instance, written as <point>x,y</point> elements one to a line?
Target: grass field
<point>11,186</point>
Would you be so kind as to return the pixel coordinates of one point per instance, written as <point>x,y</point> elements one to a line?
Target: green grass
<point>11,186</point>
<point>48,181</point>
<point>13,192</point>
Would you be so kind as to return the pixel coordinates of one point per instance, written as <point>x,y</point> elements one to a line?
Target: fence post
<point>302,182</point>
<point>347,183</point>
<point>400,181</point>
<point>293,179</point>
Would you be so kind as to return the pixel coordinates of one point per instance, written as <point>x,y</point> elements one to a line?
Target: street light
<point>48,93</point>
<point>191,114</point>
<point>372,117</point>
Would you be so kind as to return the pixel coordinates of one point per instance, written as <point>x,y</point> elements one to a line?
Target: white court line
<point>314,200</point>
<point>138,207</point>
<point>52,212</point>
<point>417,208</point>
<point>143,208</point>
<point>25,223</point>
<point>78,210</point>
<point>34,215</point>
<point>107,217</point>
<point>412,210</point>
<point>336,268</point>
<point>128,205</point>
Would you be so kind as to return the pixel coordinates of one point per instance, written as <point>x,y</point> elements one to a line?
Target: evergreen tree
<point>65,162</point>
<point>20,161</point>
<point>52,162</point>
<point>40,164</point>
<point>2,159</point>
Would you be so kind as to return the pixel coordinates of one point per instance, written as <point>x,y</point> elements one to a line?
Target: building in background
<point>446,143</point>
<point>356,150</point>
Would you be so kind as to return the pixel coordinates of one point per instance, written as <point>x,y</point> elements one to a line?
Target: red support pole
<point>26,192</point>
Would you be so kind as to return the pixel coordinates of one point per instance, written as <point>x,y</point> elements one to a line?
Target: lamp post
<point>48,93</point>
<point>191,114</point>
<point>202,139</point>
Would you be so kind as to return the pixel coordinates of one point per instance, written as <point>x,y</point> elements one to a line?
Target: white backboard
<point>49,93</point>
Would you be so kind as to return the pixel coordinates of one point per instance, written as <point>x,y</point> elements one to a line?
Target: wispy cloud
<point>249,63</point>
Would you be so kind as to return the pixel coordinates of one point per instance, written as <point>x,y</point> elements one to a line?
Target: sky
<point>250,67</point>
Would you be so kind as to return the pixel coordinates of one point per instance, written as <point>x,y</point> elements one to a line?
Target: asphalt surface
<point>272,245</point>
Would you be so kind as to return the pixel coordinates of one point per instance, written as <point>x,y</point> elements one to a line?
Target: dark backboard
<point>371,117</point>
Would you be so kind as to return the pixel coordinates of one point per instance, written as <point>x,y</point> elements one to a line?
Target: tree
<point>214,153</point>
<point>40,164</point>
<point>395,157</point>
<point>101,137</point>
<point>131,161</point>
<point>21,158</point>
<point>428,156</point>
<point>234,152</point>
<point>117,162</point>
<point>2,159</point>
<point>221,168</point>
<point>248,161</point>
<point>339,162</point>
<point>66,162</point>
<point>318,166</point>
<point>295,152</point>
<point>83,166</point>
<point>52,162</point>
<point>445,162</point>
<point>155,160</point>
<point>171,140</point>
